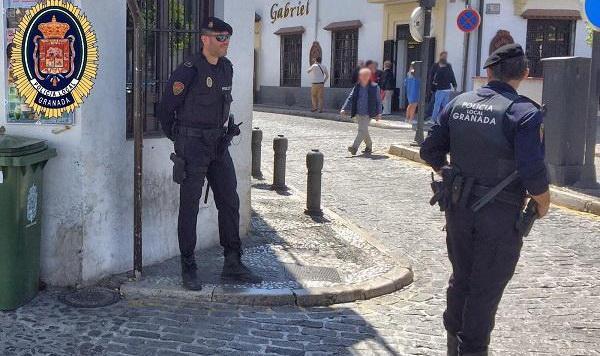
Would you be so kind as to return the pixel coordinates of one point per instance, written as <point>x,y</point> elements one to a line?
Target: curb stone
<point>559,196</point>
<point>393,280</point>
<point>329,116</point>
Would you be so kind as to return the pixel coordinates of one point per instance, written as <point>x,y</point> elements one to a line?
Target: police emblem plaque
<point>55,58</point>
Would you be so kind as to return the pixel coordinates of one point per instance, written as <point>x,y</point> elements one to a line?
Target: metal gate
<point>545,39</point>
<point>171,34</point>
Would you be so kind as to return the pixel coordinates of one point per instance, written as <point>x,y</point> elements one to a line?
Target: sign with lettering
<point>280,11</point>
<point>493,9</point>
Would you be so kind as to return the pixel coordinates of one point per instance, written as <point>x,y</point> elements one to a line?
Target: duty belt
<point>210,133</point>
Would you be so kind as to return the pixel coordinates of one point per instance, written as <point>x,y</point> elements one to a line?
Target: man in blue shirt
<point>364,103</point>
<point>490,134</point>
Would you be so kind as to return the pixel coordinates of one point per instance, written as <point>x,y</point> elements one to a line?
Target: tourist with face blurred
<point>443,82</point>
<point>363,104</point>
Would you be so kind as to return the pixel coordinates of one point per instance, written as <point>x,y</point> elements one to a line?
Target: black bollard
<point>280,146</point>
<point>257,136</point>
<point>314,163</point>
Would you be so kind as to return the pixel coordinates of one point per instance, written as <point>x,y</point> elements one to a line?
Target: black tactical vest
<point>208,101</point>
<point>478,145</point>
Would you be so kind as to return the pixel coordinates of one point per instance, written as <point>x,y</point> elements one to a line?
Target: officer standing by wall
<point>495,140</point>
<point>194,113</point>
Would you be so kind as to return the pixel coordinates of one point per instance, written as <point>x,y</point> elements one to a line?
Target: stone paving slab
<point>565,197</point>
<point>303,260</point>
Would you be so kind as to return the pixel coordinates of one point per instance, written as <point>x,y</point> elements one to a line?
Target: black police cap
<point>214,24</point>
<point>503,53</point>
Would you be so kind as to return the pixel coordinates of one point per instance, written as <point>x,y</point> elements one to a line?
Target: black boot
<point>234,269</point>
<point>188,274</point>
<point>452,345</point>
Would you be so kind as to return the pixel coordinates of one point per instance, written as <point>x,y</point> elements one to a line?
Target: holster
<point>453,190</point>
<point>179,174</point>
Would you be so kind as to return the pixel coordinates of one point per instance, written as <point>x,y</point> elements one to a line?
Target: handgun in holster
<point>527,218</point>
<point>453,190</point>
<point>179,174</point>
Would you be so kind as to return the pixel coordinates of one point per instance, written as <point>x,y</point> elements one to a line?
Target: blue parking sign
<point>592,12</point>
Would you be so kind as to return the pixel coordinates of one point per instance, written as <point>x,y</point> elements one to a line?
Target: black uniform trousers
<point>203,161</point>
<point>484,249</point>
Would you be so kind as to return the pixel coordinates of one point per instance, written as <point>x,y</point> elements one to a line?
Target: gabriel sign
<point>279,11</point>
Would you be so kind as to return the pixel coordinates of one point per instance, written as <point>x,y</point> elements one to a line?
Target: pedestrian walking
<point>443,82</point>
<point>375,73</point>
<point>412,86</point>
<point>495,140</point>
<point>388,85</point>
<point>318,75</point>
<point>363,103</point>
<point>359,65</point>
<point>194,114</point>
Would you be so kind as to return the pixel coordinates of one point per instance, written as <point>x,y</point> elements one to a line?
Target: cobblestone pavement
<point>552,307</point>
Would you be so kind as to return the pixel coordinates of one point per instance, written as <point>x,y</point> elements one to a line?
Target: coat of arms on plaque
<point>55,57</point>
<point>54,53</point>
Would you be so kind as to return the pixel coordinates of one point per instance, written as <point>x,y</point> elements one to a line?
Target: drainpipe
<point>466,54</point>
<point>480,37</point>
<point>316,19</point>
<point>138,134</point>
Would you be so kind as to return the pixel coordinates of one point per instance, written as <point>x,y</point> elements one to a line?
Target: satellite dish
<point>417,24</point>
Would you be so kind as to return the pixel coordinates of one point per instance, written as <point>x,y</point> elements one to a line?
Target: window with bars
<point>171,34</point>
<point>291,60</point>
<point>548,38</point>
<point>344,57</point>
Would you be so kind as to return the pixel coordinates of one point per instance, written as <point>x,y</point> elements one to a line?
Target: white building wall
<point>370,44</point>
<point>507,20</point>
<point>88,197</point>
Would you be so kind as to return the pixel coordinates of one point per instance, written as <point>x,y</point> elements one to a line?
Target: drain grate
<point>311,273</point>
<point>94,297</point>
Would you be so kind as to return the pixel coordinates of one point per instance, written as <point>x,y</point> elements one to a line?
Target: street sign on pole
<point>468,20</point>
<point>592,13</point>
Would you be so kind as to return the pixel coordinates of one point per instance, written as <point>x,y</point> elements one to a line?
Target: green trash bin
<point>22,162</point>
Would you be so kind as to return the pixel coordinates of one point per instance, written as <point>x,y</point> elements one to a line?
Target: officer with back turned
<point>495,140</point>
<point>194,113</point>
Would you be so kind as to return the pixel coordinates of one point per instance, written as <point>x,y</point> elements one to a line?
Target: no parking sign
<point>468,20</point>
<point>592,13</point>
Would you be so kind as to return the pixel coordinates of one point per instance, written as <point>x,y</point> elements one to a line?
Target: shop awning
<point>343,25</point>
<point>555,14</point>
<point>296,30</point>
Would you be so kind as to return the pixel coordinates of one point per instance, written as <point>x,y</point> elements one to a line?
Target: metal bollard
<point>280,146</point>
<point>257,136</point>
<point>314,163</point>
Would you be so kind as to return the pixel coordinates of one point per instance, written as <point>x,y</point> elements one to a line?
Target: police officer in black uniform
<point>495,140</point>
<point>194,113</point>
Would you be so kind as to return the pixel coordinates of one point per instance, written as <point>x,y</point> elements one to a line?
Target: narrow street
<point>554,299</point>
<point>552,307</point>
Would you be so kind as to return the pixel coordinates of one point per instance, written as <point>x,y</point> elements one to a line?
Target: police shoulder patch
<point>178,88</point>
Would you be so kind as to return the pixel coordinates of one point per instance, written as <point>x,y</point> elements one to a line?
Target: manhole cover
<point>311,273</point>
<point>94,297</point>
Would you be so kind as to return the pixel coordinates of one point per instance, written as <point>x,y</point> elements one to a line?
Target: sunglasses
<point>220,38</point>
